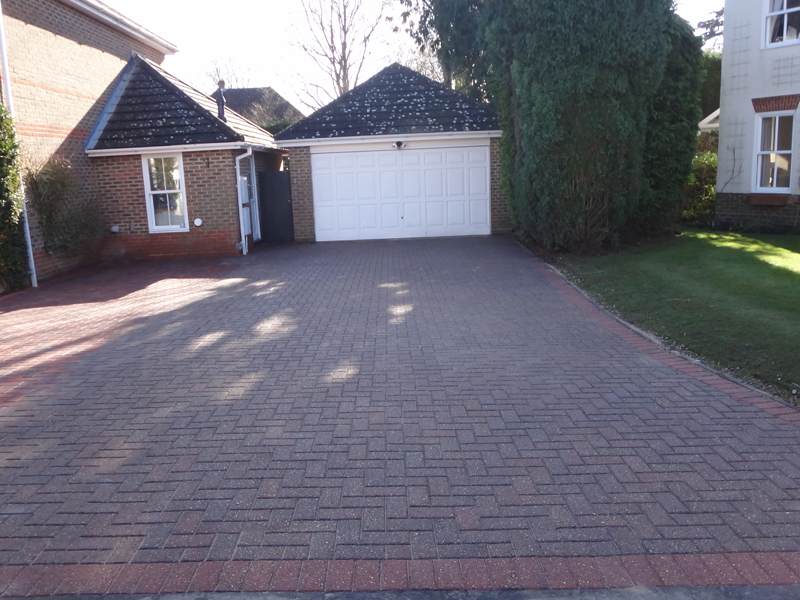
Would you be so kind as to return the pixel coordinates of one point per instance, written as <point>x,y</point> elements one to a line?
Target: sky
<point>258,37</point>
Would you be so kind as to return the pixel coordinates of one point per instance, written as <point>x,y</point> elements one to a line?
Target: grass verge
<point>731,300</point>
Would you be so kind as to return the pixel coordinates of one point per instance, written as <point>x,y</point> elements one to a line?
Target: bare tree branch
<point>234,75</point>
<point>338,40</point>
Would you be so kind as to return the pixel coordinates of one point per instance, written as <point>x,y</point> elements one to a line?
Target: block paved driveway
<point>416,414</point>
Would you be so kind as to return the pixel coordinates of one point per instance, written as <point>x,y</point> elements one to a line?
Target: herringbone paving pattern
<point>432,399</point>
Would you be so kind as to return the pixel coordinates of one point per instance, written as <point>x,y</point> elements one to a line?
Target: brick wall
<point>501,218</point>
<point>63,67</point>
<point>735,211</point>
<point>302,194</point>
<point>210,194</point>
<point>776,103</point>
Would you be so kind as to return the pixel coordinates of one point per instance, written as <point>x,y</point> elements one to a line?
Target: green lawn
<point>733,300</point>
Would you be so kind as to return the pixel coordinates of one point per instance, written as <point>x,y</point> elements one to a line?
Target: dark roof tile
<point>397,100</point>
<point>156,109</point>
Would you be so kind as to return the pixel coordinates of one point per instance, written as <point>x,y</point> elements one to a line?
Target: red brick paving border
<point>400,575</point>
<point>637,340</point>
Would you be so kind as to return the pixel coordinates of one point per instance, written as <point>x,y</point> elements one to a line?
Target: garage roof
<point>397,100</point>
<point>150,108</point>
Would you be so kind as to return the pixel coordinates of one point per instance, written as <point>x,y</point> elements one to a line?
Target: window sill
<point>169,230</point>
<point>771,199</point>
<point>781,44</point>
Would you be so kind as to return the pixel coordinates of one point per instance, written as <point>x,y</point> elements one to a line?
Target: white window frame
<point>759,152</point>
<point>151,219</point>
<point>767,21</point>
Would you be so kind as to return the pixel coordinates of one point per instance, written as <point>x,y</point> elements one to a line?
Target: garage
<point>405,193</point>
<point>400,156</point>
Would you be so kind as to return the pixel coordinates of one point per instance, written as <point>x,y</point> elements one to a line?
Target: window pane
<point>768,134</point>
<point>172,173</point>
<point>784,167</point>
<point>785,126</point>
<point>776,29</point>
<point>156,168</point>
<point>776,5</point>
<point>793,4</point>
<point>161,209</point>
<point>176,209</point>
<point>792,24</point>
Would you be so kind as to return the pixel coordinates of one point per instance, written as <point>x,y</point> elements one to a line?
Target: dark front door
<point>275,199</point>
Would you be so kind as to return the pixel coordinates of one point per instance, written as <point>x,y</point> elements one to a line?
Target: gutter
<point>415,137</point>
<point>179,148</point>
<point>238,198</point>
<point>10,106</point>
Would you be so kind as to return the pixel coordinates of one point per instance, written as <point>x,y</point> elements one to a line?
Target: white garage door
<point>369,195</point>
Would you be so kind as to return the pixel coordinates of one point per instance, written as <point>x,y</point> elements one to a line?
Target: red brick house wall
<point>63,67</point>
<point>302,194</point>
<point>210,195</point>
<point>501,218</point>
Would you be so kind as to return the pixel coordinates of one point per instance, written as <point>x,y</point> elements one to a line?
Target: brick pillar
<point>302,194</point>
<point>501,218</point>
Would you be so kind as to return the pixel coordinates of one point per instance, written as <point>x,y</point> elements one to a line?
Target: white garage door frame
<point>431,186</point>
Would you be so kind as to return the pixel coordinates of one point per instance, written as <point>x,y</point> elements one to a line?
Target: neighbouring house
<point>398,156</point>
<point>263,105</point>
<point>174,175</point>
<point>64,57</point>
<point>710,123</point>
<point>759,164</point>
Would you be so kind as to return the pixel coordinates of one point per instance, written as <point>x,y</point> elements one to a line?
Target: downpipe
<point>239,199</point>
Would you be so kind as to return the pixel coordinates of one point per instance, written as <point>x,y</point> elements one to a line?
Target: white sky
<point>257,36</point>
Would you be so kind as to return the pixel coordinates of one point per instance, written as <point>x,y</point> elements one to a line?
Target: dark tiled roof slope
<point>261,105</point>
<point>156,109</point>
<point>397,100</point>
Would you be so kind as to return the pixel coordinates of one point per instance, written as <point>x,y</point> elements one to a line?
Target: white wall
<point>750,70</point>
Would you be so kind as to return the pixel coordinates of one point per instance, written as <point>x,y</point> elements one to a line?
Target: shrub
<point>13,252</point>
<point>700,194</point>
<point>69,224</point>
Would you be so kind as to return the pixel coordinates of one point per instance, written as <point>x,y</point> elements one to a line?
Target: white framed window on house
<point>783,22</point>
<point>774,152</point>
<point>164,190</point>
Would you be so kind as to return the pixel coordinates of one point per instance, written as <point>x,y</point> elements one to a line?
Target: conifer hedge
<point>13,257</point>
<point>576,83</point>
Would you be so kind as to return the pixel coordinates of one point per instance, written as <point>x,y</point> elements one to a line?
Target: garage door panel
<point>325,218</point>
<point>388,159</point>
<point>434,212</point>
<point>390,188</point>
<point>456,213</point>
<point>345,161</point>
<point>455,182</point>
<point>390,216</point>
<point>412,184</point>
<point>478,184</point>
<point>434,158</point>
<point>413,215</point>
<point>396,194</point>
<point>434,183</point>
<point>365,161</point>
<point>369,217</point>
<point>347,218</point>
<point>367,188</point>
<point>478,212</point>
<point>345,187</point>
<point>455,157</point>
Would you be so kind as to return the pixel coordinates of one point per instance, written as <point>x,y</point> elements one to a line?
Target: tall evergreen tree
<point>671,130</point>
<point>574,82</point>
